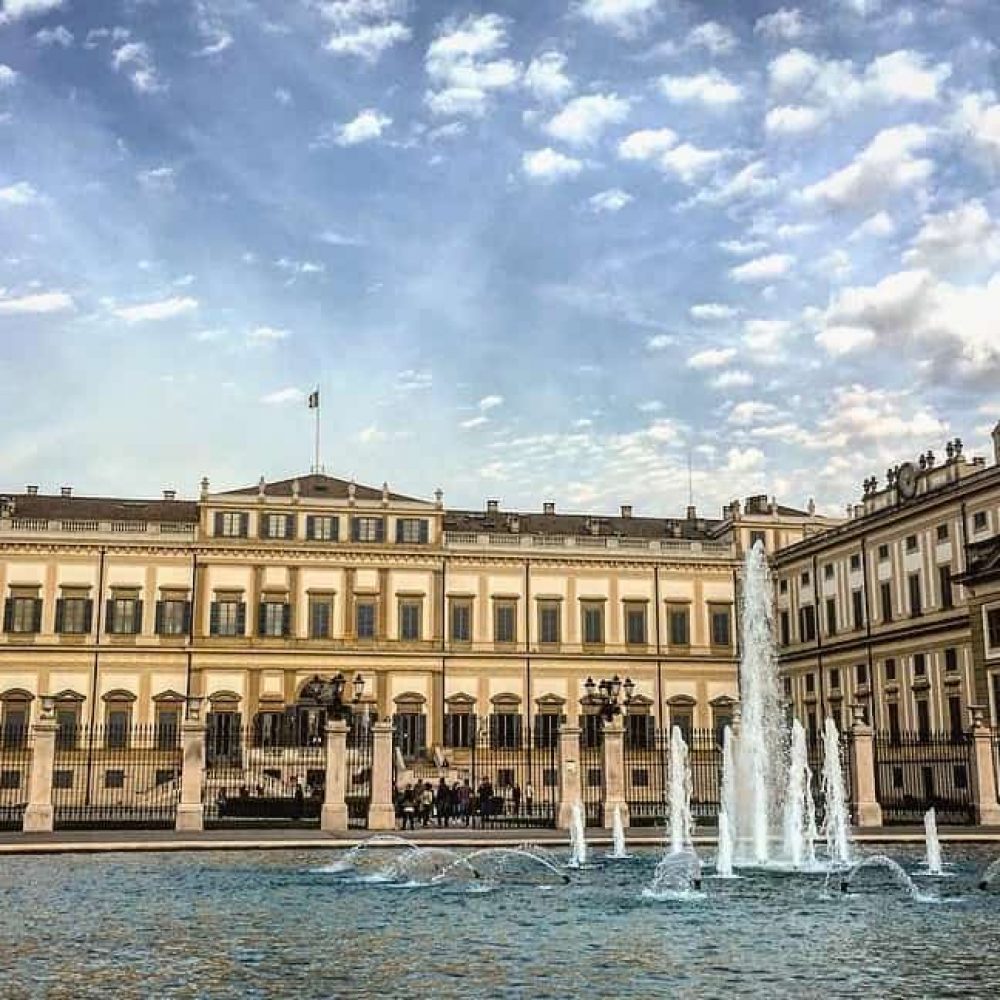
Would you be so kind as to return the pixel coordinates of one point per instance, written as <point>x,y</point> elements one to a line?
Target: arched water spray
<point>680,793</point>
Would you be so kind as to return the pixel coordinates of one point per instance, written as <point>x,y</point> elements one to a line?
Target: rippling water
<point>272,924</point>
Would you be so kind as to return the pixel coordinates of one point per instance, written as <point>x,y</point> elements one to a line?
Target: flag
<point>314,400</point>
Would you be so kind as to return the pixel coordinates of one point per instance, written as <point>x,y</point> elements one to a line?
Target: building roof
<point>74,508</point>
<point>318,486</point>
<point>585,525</point>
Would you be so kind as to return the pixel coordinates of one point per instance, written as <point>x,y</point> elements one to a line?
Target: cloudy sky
<point>530,250</point>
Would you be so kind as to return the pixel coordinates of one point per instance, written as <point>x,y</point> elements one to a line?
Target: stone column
<point>333,817</point>
<point>381,811</point>
<point>570,786</point>
<point>866,804</point>
<point>191,809</point>
<point>38,815</point>
<point>614,773</point>
<point>984,783</point>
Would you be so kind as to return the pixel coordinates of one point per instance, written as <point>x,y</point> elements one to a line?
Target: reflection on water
<point>274,924</point>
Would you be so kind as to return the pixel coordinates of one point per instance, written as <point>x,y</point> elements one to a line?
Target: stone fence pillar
<point>984,782</point>
<point>333,818</point>
<point>191,808</point>
<point>39,814</point>
<point>614,773</point>
<point>570,786</point>
<point>381,810</point>
<point>866,805</point>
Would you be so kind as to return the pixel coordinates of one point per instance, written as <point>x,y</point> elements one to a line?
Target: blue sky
<point>527,250</point>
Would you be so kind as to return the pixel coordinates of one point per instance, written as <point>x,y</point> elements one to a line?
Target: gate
<point>705,760</point>
<point>109,776</point>
<point>358,787</point>
<point>592,770</point>
<point>914,772</point>
<point>15,769</point>
<point>521,770</point>
<point>647,752</point>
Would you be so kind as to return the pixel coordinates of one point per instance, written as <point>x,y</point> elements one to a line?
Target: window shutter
<point>158,618</point>
<point>213,618</point>
<point>244,524</point>
<point>517,730</point>
<point>186,618</point>
<point>37,622</point>
<point>261,618</point>
<point>60,614</point>
<point>258,729</point>
<point>494,727</point>
<point>310,527</point>
<point>8,614</point>
<point>286,620</point>
<point>424,532</point>
<point>380,530</point>
<point>137,618</point>
<point>109,616</point>
<point>399,529</point>
<point>217,528</point>
<point>88,615</point>
<point>355,529</point>
<point>421,733</point>
<point>241,619</point>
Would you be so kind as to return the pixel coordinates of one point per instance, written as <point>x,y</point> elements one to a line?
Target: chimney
<point>492,506</point>
<point>996,444</point>
<point>626,511</point>
<point>549,507</point>
<point>66,491</point>
<point>170,494</point>
<point>32,491</point>
<point>692,513</point>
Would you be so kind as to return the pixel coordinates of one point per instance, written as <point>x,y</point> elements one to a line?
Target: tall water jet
<point>836,821</point>
<point>618,849</point>
<point>724,853</point>
<point>727,792</point>
<point>932,842</point>
<point>680,793</point>
<point>761,742</point>
<point>577,839</point>
<point>800,811</point>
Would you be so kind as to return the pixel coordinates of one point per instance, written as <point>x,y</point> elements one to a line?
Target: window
<point>67,726</point>
<point>593,730</point>
<point>505,730</point>
<point>548,623</point>
<point>782,586</point>
<point>118,721</point>
<point>834,680</point>
<point>831,616</point>
<point>919,665</point>
<point>63,778</point>
<point>504,621</point>
<point>807,623</point>
<point>410,616</point>
<point>227,616</point>
<point>858,609</point>
<point>892,710</point>
<point>459,729</point>
<point>916,601</point>
<point>890,669</point>
<point>124,615</point>
<point>461,621</point>
<point>682,716</point>
<point>721,631</point>
<point>364,619</point>
<point>173,616</point>
<point>680,627</point>
<point>979,521</point>
<point>955,716</point>
<point>412,530</point>
<point>320,616</point>
<point>321,528</point>
<point>635,624</point>
<point>805,579</point>
<point>275,526</point>
<point>883,553</point>
<point>828,571</point>
<point>810,683</point>
<point>168,724</point>
<point>16,712</point>
<point>547,728</point>
<point>993,628</point>
<point>942,532</point>
<point>923,718</point>
<point>274,618</point>
<point>232,523</point>
<point>74,615</point>
<point>885,596</point>
<point>951,660</point>
<point>758,536</point>
<point>640,731</point>
<point>947,596</point>
<point>593,624</point>
<point>855,561</point>
<point>785,626</point>
<point>368,529</point>
<point>861,672</point>
<point>23,614</point>
<point>911,543</point>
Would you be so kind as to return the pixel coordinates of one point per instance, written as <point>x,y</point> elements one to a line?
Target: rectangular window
<point>785,625</point>
<point>858,609</point>
<point>911,543</point>
<point>232,523</point>
<point>919,665</point>
<point>951,660</point>
<point>364,619</point>
<point>947,596</point>
<point>892,710</point>
<point>993,628</point>
<point>828,571</point>
<point>680,627</point>
<point>320,617</point>
<point>548,623</point>
<point>955,716</point>
<point>810,683</point>
<point>593,624</point>
<point>459,729</point>
<point>275,526</point>
<point>23,615</point>
<point>118,720</point>
<point>412,531</point>
<point>834,680</point>
<point>168,724</point>
<point>635,624</point>
<point>368,529</point>
<point>505,730</point>
<point>861,672</point>
<point>883,553</point>
<point>227,617</point>
<point>758,536</point>
<point>831,616</point>
<point>890,669</point>
<point>807,623</point>
<point>461,621</point>
<point>124,616</point>
<point>855,561</point>
<point>979,521</point>
<point>504,621</point>
<point>321,528</point>
<point>805,579</point>
<point>942,532</point>
<point>410,615</point>
<point>114,778</point>
<point>782,586</point>
<point>721,630</point>
<point>173,616</point>
<point>885,595</point>
<point>923,718</point>
<point>916,600</point>
<point>73,616</point>
<point>274,619</point>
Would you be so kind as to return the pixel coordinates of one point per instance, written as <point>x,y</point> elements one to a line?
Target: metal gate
<point>15,770</point>
<point>592,772</point>
<point>515,778</point>
<point>358,788</point>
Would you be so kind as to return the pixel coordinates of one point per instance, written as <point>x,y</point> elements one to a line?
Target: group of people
<point>423,803</point>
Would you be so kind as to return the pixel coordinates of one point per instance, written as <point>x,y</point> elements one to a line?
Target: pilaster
<point>333,818</point>
<point>39,813</point>
<point>570,787</point>
<point>984,782</point>
<point>614,773</point>
<point>868,811</point>
<point>191,809</point>
<point>381,811</point>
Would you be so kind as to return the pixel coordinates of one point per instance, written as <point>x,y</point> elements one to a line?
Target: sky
<point>552,250</point>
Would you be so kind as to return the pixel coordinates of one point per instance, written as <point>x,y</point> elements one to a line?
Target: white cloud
<point>208,24</point>
<point>712,357</point>
<point>712,312</point>
<point>612,200</point>
<point>490,402</point>
<point>136,59</point>
<point>474,422</point>
<point>21,193</point>
<point>413,380</point>
<point>660,341</point>
<point>840,340</point>
<point>371,435</point>
<point>368,42</point>
<point>626,18</point>
<point>711,88</point>
<point>977,124</point>
<point>689,163</point>
<point>158,179</point>
<point>464,62</point>
<point>732,379</point>
<point>883,168</point>
<point>878,226</point>
<point>368,125</point>
<point>793,119</point>
<point>8,76</point>
<point>14,10</point>
<point>753,411</point>
<point>282,396</point>
<point>962,235</point>
<point>266,335</point>
<point>741,461</point>
<point>751,181</point>
<point>59,35</point>
<point>583,119</point>
<point>38,303</point>
<point>742,248</point>
<point>546,79</point>
<point>646,144</point>
<point>548,165</point>
<point>765,338</point>
<point>766,268</point>
<point>783,24</point>
<point>161,309</point>
<point>904,75</point>
<point>713,37</point>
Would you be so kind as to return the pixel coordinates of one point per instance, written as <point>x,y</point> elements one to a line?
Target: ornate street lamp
<point>607,695</point>
<point>329,693</point>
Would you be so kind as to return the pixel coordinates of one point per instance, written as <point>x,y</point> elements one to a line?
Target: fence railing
<point>358,789</point>
<point>816,751</point>
<point>520,776</point>
<point>15,771</point>
<point>115,776</point>
<point>592,777</point>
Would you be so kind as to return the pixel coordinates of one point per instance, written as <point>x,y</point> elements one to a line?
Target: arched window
<point>411,724</point>
<point>15,708</point>
<point>460,721</point>
<point>682,708</point>
<point>505,721</point>
<point>223,730</point>
<point>118,719</point>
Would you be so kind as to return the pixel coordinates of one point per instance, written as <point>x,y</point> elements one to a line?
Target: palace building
<point>898,608</point>
<point>122,609</point>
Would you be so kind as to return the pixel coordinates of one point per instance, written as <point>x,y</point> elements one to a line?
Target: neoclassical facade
<point>438,618</point>
<point>898,608</point>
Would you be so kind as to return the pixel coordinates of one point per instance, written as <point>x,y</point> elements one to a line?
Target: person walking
<point>426,804</point>
<point>408,808</point>
<point>464,797</point>
<point>529,798</point>
<point>515,799</point>
<point>298,800</point>
<point>441,803</point>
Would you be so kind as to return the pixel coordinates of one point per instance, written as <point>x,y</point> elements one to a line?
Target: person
<point>220,801</point>
<point>408,807</point>
<point>529,798</point>
<point>442,803</point>
<point>426,804</point>
<point>515,798</point>
<point>464,797</point>
<point>298,800</point>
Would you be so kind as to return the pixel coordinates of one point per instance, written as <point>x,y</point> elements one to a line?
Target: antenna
<point>690,479</point>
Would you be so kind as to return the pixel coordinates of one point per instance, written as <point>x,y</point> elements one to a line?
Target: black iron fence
<point>515,779</point>
<point>816,750</point>
<point>252,782</point>
<point>358,790</point>
<point>15,770</point>
<point>914,772</point>
<point>116,776</point>
<point>592,777</point>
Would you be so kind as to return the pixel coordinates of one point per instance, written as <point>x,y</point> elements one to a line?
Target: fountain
<point>724,855</point>
<point>836,822</point>
<point>510,865</point>
<point>991,872</point>
<point>577,839</point>
<point>800,811</point>
<point>884,863</point>
<point>680,793</point>
<point>618,849</point>
<point>675,875</point>
<point>933,844</point>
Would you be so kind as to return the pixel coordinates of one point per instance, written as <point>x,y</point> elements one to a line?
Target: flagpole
<point>316,469</point>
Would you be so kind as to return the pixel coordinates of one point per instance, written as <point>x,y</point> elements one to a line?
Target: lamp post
<point>607,695</point>
<point>329,694</point>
